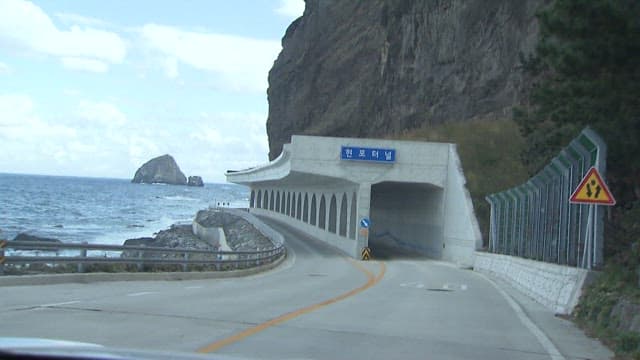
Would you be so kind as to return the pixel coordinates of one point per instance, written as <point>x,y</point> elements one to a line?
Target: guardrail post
<point>83,254</point>
<point>3,244</point>
<point>140,263</point>
<point>185,265</point>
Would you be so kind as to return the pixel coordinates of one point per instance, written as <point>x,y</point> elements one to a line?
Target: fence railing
<point>535,220</point>
<point>137,255</point>
<point>140,256</point>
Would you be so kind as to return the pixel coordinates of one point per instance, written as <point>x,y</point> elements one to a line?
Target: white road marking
<point>413,284</point>
<point>142,293</point>
<point>60,304</point>
<point>543,339</point>
<point>448,286</point>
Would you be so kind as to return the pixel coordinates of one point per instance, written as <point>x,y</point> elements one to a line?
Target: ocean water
<point>102,211</point>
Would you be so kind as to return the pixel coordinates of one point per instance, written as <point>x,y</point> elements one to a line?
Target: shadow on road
<point>381,250</point>
<point>303,244</point>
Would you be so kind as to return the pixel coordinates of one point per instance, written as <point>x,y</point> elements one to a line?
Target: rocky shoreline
<point>239,233</point>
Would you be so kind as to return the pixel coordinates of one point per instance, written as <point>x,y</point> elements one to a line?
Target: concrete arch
<point>265,203</point>
<point>322,213</point>
<point>333,216</point>
<point>252,199</point>
<point>299,207</point>
<point>343,216</point>
<point>293,205</point>
<point>353,217</point>
<point>272,203</point>
<point>283,202</point>
<point>278,201</point>
<point>314,211</point>
<point>259,199</point>
<point>305,214</point>
<point>288,208</point>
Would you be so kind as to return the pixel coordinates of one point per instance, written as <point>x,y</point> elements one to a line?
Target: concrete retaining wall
<point>555,286</point>
<point>213,235</point>
<point>461,231</point>
<point>275,237</point>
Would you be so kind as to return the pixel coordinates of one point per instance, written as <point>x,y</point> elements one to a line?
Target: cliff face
<point>379,67</point>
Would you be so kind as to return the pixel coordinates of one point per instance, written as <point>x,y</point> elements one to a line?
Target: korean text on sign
<point>367,154</point>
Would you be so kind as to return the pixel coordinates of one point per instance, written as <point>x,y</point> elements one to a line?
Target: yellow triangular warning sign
<point>592,190</point>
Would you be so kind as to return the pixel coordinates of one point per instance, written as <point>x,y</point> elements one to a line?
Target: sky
<point>97,88</point>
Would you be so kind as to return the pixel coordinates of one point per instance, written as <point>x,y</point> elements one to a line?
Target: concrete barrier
<point>275,237</point>
<point>556,287</point>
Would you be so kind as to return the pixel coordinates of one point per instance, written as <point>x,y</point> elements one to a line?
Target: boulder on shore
<point>27,237</point>
<point>162,169</point>
<point>195,181</point>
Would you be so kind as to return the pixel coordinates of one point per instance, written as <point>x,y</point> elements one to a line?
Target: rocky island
<point>164,170</point>
<point>195,181</point>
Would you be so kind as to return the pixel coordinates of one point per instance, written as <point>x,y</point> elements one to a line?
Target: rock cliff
<point>379,67</point>
<point>162,169</point>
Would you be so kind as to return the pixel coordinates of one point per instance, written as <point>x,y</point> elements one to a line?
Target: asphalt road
<point>317,305</point>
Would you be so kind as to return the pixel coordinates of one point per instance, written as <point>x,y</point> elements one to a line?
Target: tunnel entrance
<point>406,220</point>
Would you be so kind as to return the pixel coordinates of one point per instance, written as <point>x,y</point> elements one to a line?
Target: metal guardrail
<point>234,258</point>
<point>138,255</point>
<point>536,221</point>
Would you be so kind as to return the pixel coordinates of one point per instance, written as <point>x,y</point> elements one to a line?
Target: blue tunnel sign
<point>367,154</point>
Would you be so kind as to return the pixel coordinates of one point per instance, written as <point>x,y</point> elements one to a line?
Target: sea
<point>103,211</point>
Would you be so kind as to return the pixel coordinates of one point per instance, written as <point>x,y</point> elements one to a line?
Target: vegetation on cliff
<point>586,66</point>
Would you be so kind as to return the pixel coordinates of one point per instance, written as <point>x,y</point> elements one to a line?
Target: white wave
<point>180,198</point>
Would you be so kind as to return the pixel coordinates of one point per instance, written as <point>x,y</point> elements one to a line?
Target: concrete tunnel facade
<point>411,195</point>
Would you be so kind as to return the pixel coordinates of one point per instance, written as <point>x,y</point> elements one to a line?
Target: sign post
<point>365,254</point>
<point>591,191</point>
<point>3,244</point>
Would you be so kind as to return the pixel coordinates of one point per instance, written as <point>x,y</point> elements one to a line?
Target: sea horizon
<point>99,177</point>
<point>102,210</point>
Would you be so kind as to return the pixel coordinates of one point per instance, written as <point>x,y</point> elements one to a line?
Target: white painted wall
<point>461,231</point>
<point>438,222</point>
<point>555,286</point>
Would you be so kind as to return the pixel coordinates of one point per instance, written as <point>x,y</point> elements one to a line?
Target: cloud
<point>241,63</point>
<point>240,134</point>
<point>26,27</point>
<point>85,64</point>
<point>101,140</point>
<point>291,8</point>
<point>19,121</point>
<point>102,113</point>
<point>4,69</point>
<point>77,19</point>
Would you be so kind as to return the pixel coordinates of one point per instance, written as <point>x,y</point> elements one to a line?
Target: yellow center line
<point>371,280</point>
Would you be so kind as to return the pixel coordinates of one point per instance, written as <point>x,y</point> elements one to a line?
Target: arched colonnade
<point>332,212</point>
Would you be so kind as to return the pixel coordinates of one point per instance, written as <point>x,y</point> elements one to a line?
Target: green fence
<point>536,221</point>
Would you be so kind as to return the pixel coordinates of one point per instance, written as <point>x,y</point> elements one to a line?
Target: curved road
<point>317,304</point>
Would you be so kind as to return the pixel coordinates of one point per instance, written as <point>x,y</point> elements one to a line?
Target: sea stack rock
<point>162,169</point>
<point>195,181</point>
